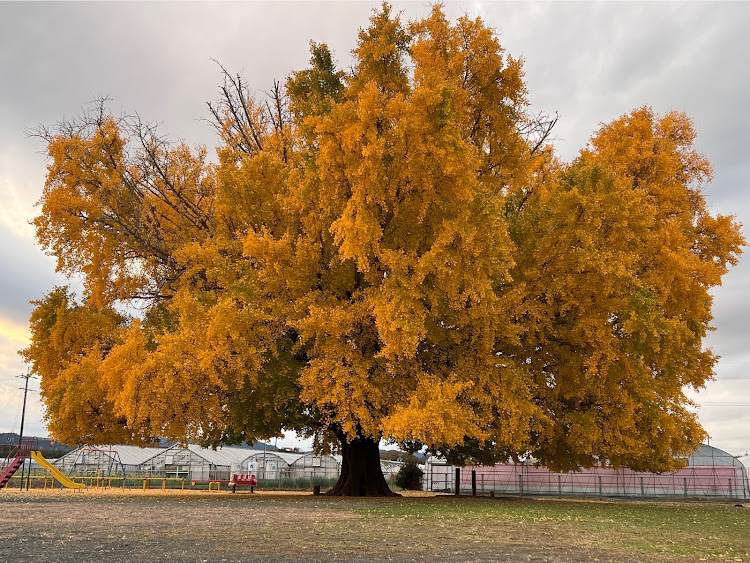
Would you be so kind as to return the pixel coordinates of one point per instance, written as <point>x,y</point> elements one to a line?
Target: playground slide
<point>56,473</point>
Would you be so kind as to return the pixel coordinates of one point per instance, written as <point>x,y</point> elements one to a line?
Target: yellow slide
<point>56,473</point>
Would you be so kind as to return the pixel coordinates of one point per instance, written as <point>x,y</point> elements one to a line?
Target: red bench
<point>246,479</point>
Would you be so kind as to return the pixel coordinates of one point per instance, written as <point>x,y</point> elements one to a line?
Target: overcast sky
<point>589,62</point>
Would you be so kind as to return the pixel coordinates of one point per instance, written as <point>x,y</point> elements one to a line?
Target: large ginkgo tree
<point>388,253</point>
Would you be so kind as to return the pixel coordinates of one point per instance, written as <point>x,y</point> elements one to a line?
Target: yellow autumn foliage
<point>392,253</point>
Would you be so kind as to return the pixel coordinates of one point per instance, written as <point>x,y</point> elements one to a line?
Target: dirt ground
<point>74,526</point>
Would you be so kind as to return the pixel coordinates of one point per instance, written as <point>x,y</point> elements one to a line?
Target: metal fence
<point>729,482</point>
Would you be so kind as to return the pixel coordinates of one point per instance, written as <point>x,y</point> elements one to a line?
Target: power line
<point>5,406</point>
<point>15,418</point>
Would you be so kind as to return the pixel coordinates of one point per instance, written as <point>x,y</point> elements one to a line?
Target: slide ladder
<point>56,473</point>
<point>10,470</point>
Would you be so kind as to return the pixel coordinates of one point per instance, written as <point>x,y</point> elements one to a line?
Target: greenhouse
<point>710,472</point>
<point>105,461</point>
<point>390,469</point>
<point>313,466</point>
<point>194,463</point>
<point>271,465</point>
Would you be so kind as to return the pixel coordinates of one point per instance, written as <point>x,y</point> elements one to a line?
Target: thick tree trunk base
<point>361,475</point>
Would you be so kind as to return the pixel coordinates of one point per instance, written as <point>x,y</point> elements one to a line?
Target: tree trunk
<point>361,475</point>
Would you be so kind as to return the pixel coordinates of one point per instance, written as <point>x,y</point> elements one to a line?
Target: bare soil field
<point>95,525</point>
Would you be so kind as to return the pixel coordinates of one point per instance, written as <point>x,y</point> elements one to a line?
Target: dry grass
<point>201,526</point>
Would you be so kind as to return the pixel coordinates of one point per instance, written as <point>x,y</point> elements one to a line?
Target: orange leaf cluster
<point>392,252</point>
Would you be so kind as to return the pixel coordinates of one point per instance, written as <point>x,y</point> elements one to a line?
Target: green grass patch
<point>693,529</point>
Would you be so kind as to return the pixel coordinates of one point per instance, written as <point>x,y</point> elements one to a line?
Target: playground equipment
<point>98,464</point>
<point>27,449</point>
<point>14,461</point>
<point>55,472</point>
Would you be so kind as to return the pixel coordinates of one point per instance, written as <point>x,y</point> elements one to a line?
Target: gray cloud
<point>592,62</point>
<point>26,275</point>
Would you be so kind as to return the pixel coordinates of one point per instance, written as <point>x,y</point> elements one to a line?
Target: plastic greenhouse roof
<point>222,456</point>
<point>709,455</point>
<point>288,457</point>
<point>129,455</point>
<point>705,456</point>
<point>311,455</point>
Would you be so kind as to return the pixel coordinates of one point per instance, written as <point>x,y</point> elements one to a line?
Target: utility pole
<point>25,376</point>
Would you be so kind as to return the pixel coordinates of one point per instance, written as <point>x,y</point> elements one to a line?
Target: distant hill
<point>49,448</point>
<point>164,443</point>
<point>11,438</point>
<point>400,455</point>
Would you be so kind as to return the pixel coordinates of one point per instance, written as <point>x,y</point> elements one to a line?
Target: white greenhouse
<point>313,466</point>
<point>271,465</point>
<point>106,461</point>
<point>195,463</point>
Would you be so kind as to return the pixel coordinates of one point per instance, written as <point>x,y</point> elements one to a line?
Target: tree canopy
<point>388,253</point>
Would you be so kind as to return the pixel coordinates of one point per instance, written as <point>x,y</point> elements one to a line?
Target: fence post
<point>458,481</point>
<point>684,485</point>
<point>643,493</point>
<point>520,485</point>
<point>601,488</point>
<point>559,486</point>
<point>473,482</point>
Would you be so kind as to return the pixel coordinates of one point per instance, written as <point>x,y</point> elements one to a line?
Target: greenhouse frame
<point>314,466</point>
<point>710,473</point>
<point>105,461</point>
<point>194,463</point>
